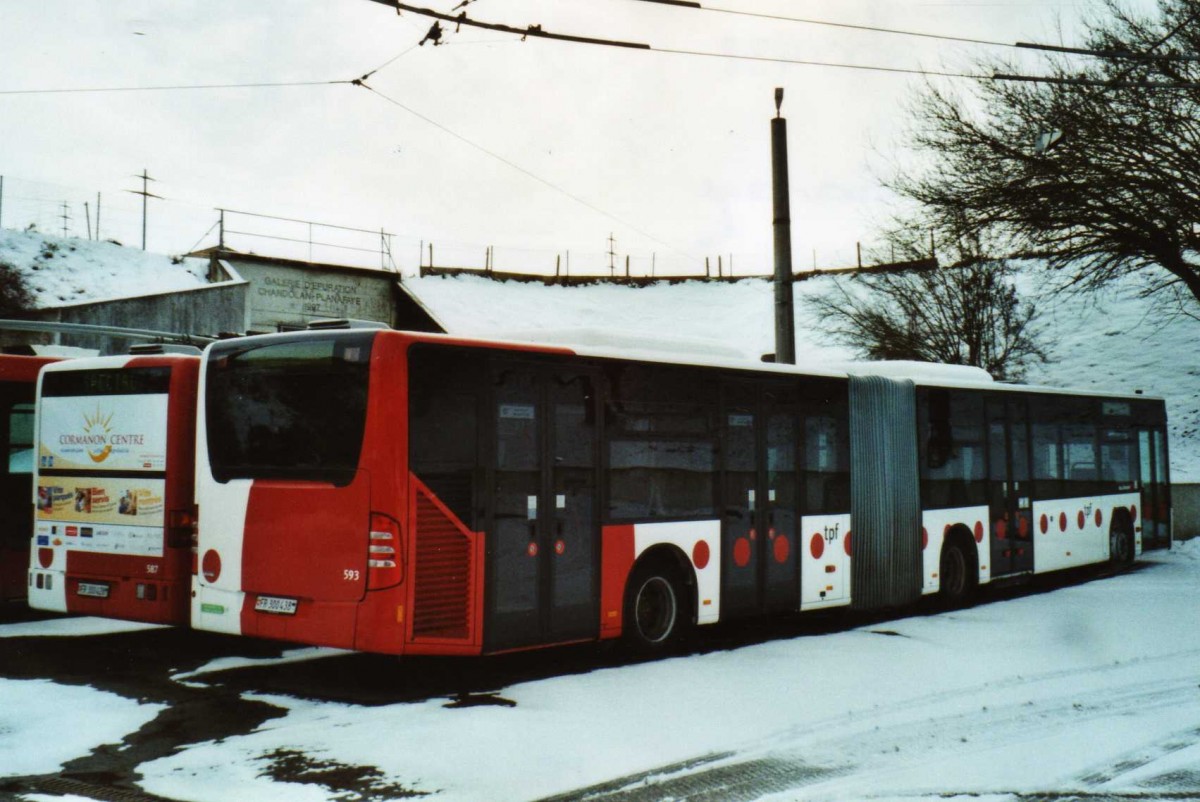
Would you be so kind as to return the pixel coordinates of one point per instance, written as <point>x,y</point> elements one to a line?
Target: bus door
<point>542,547</point>
<point>1009,486</point>
<point>760,560</point>
<point>1152,475</point>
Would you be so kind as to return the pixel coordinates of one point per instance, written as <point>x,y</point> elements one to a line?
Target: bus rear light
<point>195,524</point>
<point>180,529</point>
<point>383,553</point>
<point>45,557</point>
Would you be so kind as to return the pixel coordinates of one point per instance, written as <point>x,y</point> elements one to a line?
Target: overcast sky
<point>668,153</point>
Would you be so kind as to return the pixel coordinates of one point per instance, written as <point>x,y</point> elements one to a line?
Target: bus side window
<point>444,425</point>
<point>826,465</point>
<point>939,448</point>
<point>954,472</point>
<point>1117,460</point>
<point>661,444</point>
<point>1047,463</point>
<point>1079,459</point>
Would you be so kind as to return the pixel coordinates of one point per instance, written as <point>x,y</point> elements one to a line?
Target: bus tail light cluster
<point>195,536</point>
<point>180,528</point>
<point>384,561</point>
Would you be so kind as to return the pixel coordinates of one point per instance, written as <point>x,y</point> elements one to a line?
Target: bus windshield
<point>288,410</point>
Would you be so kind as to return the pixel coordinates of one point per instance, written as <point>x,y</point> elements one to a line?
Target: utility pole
<point>145,193</point>
<point>785,324</point>
<point>97,217</point>
<point>612,256</point>
<point>66,217</point>
<point>87,214</point>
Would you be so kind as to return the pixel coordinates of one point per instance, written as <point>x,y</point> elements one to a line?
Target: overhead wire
<point>165,88</point>
<point>1118,82</point>
<point>519,168</point>
<point>831,24</point>
<point>808,63</point>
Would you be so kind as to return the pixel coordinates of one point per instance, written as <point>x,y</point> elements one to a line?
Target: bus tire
<point>656,610</point>
<point>1120,544</point>
<point>957,574</point>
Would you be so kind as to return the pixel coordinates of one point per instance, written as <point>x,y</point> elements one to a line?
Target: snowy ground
<point>43,724</point>
<point>1091,689</point>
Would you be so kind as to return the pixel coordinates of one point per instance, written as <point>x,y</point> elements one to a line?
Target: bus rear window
<point>294,409</point>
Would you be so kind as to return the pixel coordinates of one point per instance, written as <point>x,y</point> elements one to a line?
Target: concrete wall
<point>1185,510</point>
<point>292,295</point>
<point>204,310</point>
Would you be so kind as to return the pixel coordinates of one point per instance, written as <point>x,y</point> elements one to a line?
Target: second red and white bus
<point>113,489</point>
<point>18,381</point>
<point>416,494</point>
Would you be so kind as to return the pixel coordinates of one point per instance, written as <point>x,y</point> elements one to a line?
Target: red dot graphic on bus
<point>1044,523</point>
<point>1079,519</point>
<point>1022,527</point>
<point>560,546</point>
<point>700,555</point>
<point>741,552</point>
<point>1099,518</point>
<point>45,557</point>
<point>924,538</point>
<point>782,549</point>
<point>817,545</point>
<point>532,550</point>
<point>211,566</point>
<point>846,543</point>
<point>1062,521</point>
<point>979,531</point>
<point>1001,529</point>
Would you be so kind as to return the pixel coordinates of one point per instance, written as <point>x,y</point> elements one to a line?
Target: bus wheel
<point>1120,546</point>
<point>957,574</point>
<point>655,611</point>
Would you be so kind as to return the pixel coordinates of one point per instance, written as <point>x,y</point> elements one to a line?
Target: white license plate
<point>93,589</point>
<point>274,604</point>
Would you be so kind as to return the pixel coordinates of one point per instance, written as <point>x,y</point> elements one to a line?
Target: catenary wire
<point>85,90</point>
<point>519,168</point>
<point>832,24</point>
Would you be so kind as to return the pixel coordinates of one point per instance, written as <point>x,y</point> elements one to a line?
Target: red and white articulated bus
<point>18,378</point>
<point>418,494</point>
<point>114,484</point>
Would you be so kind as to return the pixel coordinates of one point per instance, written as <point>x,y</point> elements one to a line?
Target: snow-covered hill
<point>1111,340</point>
<point>67,270</point>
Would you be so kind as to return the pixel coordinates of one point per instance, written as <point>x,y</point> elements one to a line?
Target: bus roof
<point>679,351</point>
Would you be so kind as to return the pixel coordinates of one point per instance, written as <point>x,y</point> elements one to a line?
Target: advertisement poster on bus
<point>100,473</point>
<point>103,433</point>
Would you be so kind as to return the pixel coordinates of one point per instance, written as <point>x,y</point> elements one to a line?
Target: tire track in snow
<point>860,753</point>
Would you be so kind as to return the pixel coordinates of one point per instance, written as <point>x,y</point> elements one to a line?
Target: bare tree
<point>1099,172</point>
<point>967,314</point>
<point>14,292</point>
